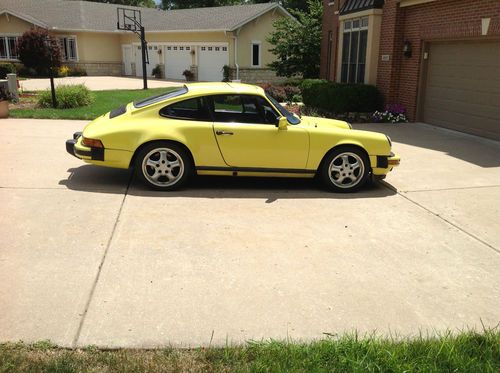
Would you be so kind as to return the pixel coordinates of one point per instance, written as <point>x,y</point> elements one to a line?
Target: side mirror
<point>282,123</point>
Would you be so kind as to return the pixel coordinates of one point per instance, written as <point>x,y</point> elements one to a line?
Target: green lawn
<point>465,352</point>
<point>104,101</point>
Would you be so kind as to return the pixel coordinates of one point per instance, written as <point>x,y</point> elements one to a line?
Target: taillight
<point>92,143</point>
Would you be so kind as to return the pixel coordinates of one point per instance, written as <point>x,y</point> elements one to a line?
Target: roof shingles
<point>91,16</point>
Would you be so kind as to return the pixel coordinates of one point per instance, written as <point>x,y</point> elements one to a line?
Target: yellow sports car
<point>229,129</point>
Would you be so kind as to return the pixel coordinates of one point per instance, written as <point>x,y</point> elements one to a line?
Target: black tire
<point>339,173</point>
<point>159,160</point>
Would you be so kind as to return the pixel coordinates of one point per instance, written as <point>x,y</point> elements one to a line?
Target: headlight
<point>389,139</point>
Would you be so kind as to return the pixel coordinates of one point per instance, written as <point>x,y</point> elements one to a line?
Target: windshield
<point>292,119</point>
<point>161,97</point>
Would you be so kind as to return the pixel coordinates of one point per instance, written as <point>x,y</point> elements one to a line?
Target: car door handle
<point>219,132</point>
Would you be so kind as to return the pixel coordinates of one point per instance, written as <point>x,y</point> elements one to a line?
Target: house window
<point>8,48</point>
<point>255,55</point>
<point>354,43</point>
<point>68,48</point>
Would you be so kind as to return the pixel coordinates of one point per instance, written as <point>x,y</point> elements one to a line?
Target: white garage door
<point>154,59</point>
<point>211,59</point>
<point>177,59</point>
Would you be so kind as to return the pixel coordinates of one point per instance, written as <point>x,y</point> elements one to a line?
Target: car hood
<point>325,123</point>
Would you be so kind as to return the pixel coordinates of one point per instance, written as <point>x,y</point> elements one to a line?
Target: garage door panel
<point>463,87</point>
<point>480,126</point>
<point>481,98</point>
<point>468,85</point>
<point>211,60</point>
<point>177,59</point>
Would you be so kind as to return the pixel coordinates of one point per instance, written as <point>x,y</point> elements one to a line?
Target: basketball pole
<point>143,50</point>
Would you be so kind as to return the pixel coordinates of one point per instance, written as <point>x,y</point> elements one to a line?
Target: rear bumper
<point>74,147</point>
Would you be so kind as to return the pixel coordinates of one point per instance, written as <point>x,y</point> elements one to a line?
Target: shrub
<point>157,72</point>
<point>282,93</point>
<point>26,72</point>
<point>77,71</point>
<point>63,71</point>
<point>35,52</point>
<point>68,96</point>
<point>226,72</point>
<point>341,98</point>
<point>6,68</point>
<point>188,74</point>
<point>293,81</point>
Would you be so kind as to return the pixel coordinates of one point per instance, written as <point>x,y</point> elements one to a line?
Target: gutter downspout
<point>235,38</point>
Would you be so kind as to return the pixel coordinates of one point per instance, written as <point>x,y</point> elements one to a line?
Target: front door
<point>247,136</point>
<point>127,59</point>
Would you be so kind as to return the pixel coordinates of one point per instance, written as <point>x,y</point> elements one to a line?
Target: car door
<point>190,122</point>
<point>246,132</point>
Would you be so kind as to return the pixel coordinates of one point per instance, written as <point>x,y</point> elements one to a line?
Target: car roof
<point>223,87</point>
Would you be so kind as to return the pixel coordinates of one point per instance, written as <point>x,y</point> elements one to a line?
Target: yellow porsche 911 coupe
<point>230,129</point>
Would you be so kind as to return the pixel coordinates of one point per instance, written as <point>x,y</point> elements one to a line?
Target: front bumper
<point>74,147</point>
<point>382,165</point>
<point>390,161</point>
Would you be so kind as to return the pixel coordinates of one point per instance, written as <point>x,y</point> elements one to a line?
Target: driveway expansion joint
<point>74,344</point>
<point>403,194</point>
<point>446,189</point>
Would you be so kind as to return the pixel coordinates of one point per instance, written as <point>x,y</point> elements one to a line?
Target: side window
<point>228,104</point>
<point>268,113</point>
<point>192,109</point>
<point>243,109</point>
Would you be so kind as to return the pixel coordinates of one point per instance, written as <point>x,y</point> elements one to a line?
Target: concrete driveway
<point>88,256</point>
<point>97,83</point>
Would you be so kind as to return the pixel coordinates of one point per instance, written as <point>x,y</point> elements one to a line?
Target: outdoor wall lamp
<point>407,49</point>
<point>159,51</point>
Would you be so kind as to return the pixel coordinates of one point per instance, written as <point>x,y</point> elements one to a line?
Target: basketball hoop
<point>130,20</point>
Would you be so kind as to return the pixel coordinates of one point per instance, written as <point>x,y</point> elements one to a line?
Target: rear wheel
<point>345,169</point>
<point>163,165</point>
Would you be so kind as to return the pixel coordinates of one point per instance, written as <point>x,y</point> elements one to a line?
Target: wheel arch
<point>341,146</point>
<point>178,143</point>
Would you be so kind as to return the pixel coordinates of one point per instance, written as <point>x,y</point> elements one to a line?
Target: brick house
<point>438,58</point>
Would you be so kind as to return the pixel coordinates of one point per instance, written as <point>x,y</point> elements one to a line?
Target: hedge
<point>341,98</point>
<point>6,68</point>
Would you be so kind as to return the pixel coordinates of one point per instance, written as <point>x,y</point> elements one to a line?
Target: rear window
<point>159,98</point>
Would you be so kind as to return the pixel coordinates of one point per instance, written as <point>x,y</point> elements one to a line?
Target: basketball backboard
<point>128,19</point>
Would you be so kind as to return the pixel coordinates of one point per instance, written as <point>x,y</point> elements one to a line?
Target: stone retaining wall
<point>99,68</point>
<point>263,75</point>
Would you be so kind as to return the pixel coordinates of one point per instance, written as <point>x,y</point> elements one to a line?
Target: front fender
<point>323,141</point>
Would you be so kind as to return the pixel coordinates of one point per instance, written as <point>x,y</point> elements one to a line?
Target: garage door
<point>177,59</point>
<point>463,87</point>
<point>154,59</point>
<point>211,59</point>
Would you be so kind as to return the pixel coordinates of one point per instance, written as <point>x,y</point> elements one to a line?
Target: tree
<point>297,45</point>
<point>143,3</point>
<point>39,50</point>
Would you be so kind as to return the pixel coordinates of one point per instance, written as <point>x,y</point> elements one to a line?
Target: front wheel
<point>163,166</point>
<point>345,169</point>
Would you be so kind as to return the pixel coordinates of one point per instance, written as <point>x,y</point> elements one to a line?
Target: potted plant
<point>188,74</point>
<point>4,102</point>
<point>157,72</point>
